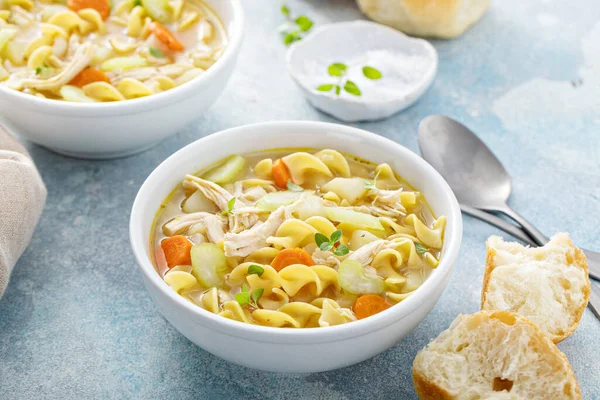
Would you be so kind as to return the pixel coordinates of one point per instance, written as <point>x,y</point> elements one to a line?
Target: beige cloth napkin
<point>22,198</point>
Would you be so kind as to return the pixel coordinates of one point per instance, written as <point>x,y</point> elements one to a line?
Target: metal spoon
<point>475,174</point>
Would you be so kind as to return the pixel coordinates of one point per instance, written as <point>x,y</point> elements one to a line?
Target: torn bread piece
<point>493,355</point>
<point>548,285</point>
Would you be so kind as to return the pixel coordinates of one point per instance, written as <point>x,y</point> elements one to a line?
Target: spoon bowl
<point>476,176</point>
<point>472,170</point>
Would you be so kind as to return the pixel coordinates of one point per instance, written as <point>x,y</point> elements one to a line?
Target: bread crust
<point>444,19</point>
<point>426,389</point>
<point>579,260</point>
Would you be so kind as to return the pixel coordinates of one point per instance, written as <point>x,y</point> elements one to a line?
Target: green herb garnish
<point>157,53</point>
<point>325,88</point>
<point>137,3</point>
<point>328,243</point>
<point>351,88</point>
<point>292,187</point>
<point>304,23</point>
<point>293,28</point>
<point>247,297</point>
<point>371,73</point>
<point>256,269</point>
<point>38,70</point>
<point>420,248</point>
<point>372,185</point>
<point>339,70</point>
<point>230,205</point>
<point>291,37</point>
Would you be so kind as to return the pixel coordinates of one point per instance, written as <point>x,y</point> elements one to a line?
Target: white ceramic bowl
<point>406,76</point>
<point>107,130</point>
<point>281,349</point>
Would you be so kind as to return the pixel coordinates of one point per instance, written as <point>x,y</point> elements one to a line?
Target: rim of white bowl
<point>423,85</point>
<point>235,34</point>
<point>260,333</point>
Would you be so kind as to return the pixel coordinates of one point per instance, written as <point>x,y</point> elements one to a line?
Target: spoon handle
<point>540,239</point>
<point>499,223</point>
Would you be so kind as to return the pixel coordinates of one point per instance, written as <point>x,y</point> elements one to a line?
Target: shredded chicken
<point>365,254</point>
<point>386,203</point>
<point>145,73</point>
<point>253,194</point>
<point>73,45</point>
<point>240,218</point>
<point>180,224</point>
<point>20,17</point>
<point>80,60</point>
<point>382,210</point>
<point>215,229</point>
<point>243,243</point>
<point>321,257</point>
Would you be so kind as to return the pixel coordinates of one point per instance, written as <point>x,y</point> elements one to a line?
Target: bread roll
<point>429,18</point>
<point>493,355</point>
<point>548,285</point>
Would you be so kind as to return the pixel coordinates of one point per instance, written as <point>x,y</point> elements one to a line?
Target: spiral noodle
<point>124,39</point>
<point>385,244</point>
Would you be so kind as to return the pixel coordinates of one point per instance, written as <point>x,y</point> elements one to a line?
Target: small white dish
<point>118,129</point>
<point>287,349</point>
<point>408,66</point>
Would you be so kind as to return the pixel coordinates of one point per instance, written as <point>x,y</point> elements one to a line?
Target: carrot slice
<point>291,256</point>
<point>281,174</point>
<point>165,36</point>
<point>89,75</point>
<point>177,251</point>
<point>369,304</point>
<point>102,6</point>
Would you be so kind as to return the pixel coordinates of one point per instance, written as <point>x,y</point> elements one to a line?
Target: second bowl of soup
<point>106,79</point>
<point>347,238</point>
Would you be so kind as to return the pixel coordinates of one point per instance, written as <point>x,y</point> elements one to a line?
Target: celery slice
<point>209,264</point>
<point>353,279</point>
<point>228,171</point>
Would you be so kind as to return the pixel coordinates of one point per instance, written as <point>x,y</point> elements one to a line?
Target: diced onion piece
<point>358,219</point>
<point>353,279</point>
<point>350,189</point>
<point>5,35</point>
<point>272,201</point>
<point>209,264</point>
<point>75,94</point>
<point>228,171</point>
<point>123,63</point>
<point>198,202</point>
<point>159,10</point>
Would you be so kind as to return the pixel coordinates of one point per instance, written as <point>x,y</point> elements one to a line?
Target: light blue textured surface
<point>76,321</point>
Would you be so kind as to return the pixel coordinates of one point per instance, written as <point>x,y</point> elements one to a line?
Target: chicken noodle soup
<point>105,50</point>
<point>296,238</point>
